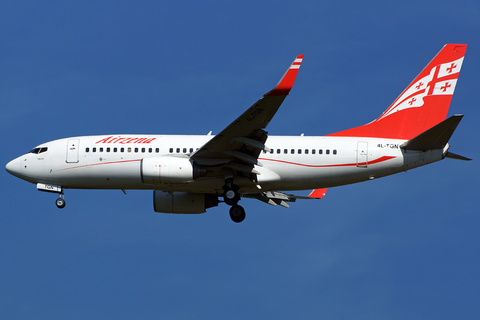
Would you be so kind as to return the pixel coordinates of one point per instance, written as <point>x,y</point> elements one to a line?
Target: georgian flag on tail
<point>441,80</point>
<point>423,104</point>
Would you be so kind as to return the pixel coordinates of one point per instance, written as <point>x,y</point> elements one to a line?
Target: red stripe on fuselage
<point>381,159</point>
<point>98,164</point>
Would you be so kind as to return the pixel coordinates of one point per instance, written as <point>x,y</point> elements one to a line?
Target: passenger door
<point>362,154</point>
<point>72,150</point>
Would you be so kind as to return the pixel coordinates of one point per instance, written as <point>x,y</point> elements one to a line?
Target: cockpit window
<point>39,150</point>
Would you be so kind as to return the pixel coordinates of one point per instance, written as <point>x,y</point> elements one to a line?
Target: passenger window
<point>115,149</point>
<point>285,151</point>
<point>87,149</point>
<point>184,150</point>
<point>100,150</point>
<point>171,150</point>
<point>313,151</point>
<point>150,150</point>
<point>191,150</point>
<point>129,150</point>
<point>178,150</point>
<point>306,151</point>
<point>299,151</point>
<point>143,150</point>
<point>327,151</point>
<point>271,150</point>
<point>334,151</point>
<point>136,150</point>
<point>94,149</point>
<point>278,151</point>
<point>157,150</point>
<point>122,149</point>
<point>320,151</point>
<point>108,149</point>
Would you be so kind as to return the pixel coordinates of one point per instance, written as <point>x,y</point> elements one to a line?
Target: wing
<point>279,198</point>
<point>238,146</point>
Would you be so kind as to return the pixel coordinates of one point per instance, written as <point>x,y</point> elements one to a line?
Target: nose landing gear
<point>60,202</point>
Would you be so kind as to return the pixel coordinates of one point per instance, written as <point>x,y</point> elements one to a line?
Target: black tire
<point>60,203</point>
<point>237,213</point>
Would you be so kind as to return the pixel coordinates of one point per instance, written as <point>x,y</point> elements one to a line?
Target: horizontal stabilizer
<point>434,138</point>
<point>455,156</point>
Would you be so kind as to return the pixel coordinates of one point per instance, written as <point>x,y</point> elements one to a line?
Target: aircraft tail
<point>423,104</point>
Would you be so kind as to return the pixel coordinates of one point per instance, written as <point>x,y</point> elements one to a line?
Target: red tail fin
<point>423,104</point>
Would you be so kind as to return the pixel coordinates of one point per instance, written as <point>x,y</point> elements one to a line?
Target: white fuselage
<point>292,163</point>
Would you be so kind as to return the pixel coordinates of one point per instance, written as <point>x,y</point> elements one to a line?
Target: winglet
<point>286,83</point>
<point>318,193</point>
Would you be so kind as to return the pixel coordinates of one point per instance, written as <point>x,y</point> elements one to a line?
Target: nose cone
<point>13,167</point>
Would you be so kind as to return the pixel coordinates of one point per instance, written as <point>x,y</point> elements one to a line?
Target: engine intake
<point>183,202</point>
<point>168,170</point>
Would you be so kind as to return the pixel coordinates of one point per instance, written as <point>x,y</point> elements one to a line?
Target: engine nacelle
<point>183,202</point>
<point>168,169</point>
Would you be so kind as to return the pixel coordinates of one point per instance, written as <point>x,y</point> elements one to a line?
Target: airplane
<point>191,173</point>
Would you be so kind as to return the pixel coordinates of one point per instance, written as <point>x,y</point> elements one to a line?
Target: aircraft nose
<point>13,167</point>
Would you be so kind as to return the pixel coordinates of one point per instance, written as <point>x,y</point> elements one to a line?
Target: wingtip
<point>318,193</point>
<point>286,83</point>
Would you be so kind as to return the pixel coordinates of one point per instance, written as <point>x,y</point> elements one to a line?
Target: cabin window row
<point>122,150</point>
<point>190,150</point>
<point>304,151</point>
<point>181,150</point>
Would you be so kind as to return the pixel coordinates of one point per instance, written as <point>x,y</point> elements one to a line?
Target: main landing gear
<point>60,202</point>
<point>231,197</point>
<point>237,213</point>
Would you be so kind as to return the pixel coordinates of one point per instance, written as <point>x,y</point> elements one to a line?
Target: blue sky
<point>400,247</point>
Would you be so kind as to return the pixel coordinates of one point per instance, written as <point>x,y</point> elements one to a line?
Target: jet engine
<point>168,169</point>
<point>183,202</point>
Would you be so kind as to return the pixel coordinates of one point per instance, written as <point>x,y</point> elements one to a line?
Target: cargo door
<point>72,151</point>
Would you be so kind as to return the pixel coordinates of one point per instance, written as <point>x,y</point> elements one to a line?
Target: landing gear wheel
<point>231,197</point>
<point>60,203</point>
<point>237,213</point>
